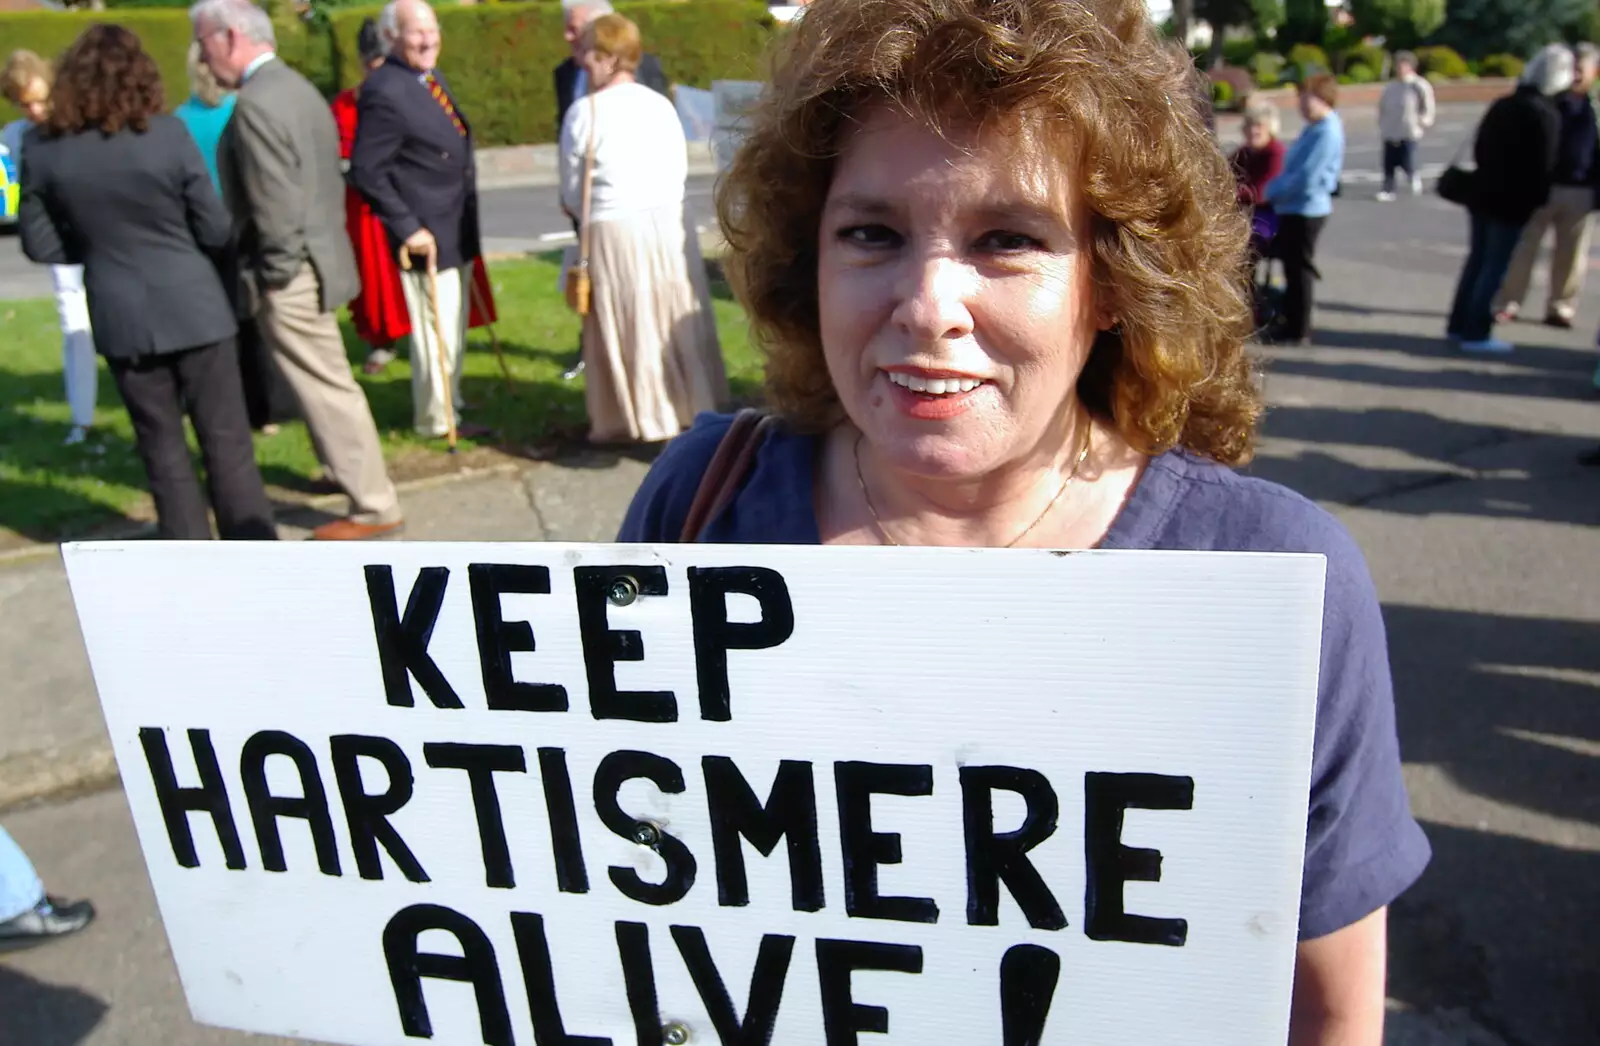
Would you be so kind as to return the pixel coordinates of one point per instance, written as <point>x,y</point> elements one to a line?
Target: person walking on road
<point>1516,149</point>
<point>279,162</point>
<point>413,161</point>
<point>25,82</point>
<point>28,915</point>
<point>572,84</point>
<point>1406,110</point>
<point>115,184</point>
<point>649,339</point>
<point>1302,197</point>
<point>1572,200</point>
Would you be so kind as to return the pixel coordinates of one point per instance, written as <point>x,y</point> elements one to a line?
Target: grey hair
<point>389,22</point>
<point>1408,57</point>
<point>1552,70</point>
<point>1263,114</point>
<point>241,16</point>
<point>596,8</point>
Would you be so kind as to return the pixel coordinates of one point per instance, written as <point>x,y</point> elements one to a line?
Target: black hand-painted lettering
<point>994,856</point>
<point>1106,797</point>
<point>265,808</point>
<point>1028,976</point>
<point>498,638</point>
<point>766,986</point>
<point>863,850</point>
<point>367,815</point>
<point>604,646</point>
<point>639,978</point>
<point>481,762</point>
<point>533,953</point>
<point>616,768</point>
<point>565,843</point>
<point>403,642</point>
<point>211,797</point>
<point>842,1016</point>
<point>715,635</point>
<point>790,812</point>
<point>475,965</point>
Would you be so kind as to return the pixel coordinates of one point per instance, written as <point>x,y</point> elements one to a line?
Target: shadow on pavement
<point>1374,310</point>
<point>1503,924</point>
<point>1569,382</point>
<point>41,1014</point>
<point>1536,355</point>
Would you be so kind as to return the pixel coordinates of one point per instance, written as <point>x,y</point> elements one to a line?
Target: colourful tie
<point>437,90</point>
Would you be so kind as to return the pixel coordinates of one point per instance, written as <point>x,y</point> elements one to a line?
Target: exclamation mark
<point>1028,975</point>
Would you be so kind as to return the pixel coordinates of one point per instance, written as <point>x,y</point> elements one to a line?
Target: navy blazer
<point>412,165</point>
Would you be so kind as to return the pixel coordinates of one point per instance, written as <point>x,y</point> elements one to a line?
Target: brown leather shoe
<point>353,530</point>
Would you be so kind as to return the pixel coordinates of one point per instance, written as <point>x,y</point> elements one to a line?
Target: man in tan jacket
<point>279,165</point>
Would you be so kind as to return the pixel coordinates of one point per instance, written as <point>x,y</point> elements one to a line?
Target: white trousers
<point>427,381</point>
<point>79,366</point>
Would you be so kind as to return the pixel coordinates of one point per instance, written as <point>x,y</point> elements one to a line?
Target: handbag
<point>726,472</point>
<point>578,287</point>
<point>1458,184</point>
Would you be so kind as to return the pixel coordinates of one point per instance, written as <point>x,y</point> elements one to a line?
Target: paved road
<point>1456,475</point>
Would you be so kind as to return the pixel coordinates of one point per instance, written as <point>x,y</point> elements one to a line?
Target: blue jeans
<point>1488,258</point>
<point>1398,154</point>
<point>20,888</point>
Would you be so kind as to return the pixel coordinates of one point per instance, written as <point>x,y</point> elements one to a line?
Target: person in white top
<point>649,341</point>
<point>1406,110</point>
<point>26,83</point>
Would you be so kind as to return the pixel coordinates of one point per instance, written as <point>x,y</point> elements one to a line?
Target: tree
<point>1261,16</point>
<point>1480,27</point>
<point>1304,22</point>
<point>1182,20</point>
<point>1402,23</point>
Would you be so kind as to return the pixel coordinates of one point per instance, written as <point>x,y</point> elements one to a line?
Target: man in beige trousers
<point>1572,199</point>
<point>279,166</point>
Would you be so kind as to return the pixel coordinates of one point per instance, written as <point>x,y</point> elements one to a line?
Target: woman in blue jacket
<point>1302,196</point>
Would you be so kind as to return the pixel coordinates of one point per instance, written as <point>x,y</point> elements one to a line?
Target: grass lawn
<point>48,491</point>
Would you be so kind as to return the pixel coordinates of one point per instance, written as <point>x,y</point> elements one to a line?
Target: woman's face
<point>957,306</point>
<point>35,101</point>
<point>1257,135</point>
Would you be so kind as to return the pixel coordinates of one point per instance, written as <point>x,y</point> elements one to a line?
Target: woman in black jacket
<point>112,184</point>
<point>1516,151</point>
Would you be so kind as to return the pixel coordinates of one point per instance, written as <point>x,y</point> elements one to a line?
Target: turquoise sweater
<point>205,123</point>
<point>1310,171</point>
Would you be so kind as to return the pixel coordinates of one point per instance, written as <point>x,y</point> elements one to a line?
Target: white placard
<point>993,787</point>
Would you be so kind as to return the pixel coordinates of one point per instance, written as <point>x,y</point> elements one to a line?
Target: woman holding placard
<point>998,270</point>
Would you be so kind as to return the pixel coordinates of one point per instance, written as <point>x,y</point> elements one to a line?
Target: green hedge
<point>500,58</point>
<point>165,34</point>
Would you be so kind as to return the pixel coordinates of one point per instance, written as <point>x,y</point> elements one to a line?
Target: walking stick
<point>494,339</point>
<point>445,374</point>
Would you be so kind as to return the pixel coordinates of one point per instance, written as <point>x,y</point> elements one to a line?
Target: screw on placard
<point>646,834</point>
<point>622,591</point>
<point>674,1033</point>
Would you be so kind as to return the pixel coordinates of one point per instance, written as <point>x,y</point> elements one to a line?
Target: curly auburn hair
<point>105,81</point>
<point>1092,81</point>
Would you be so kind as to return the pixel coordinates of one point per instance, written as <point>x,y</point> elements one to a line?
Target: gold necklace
<point>1083,453</point>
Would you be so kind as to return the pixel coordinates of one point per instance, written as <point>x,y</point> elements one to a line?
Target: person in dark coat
<point>115,185</point>
<point>413,162</point>
<point>571,83</point>
<point>1516,149</point>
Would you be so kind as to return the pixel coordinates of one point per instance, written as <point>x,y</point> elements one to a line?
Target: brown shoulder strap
<point>726,471</point>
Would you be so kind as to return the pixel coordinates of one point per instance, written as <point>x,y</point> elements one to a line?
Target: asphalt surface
<point>1456,475</point>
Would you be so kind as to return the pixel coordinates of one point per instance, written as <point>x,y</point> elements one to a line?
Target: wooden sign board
<point>588,794</point>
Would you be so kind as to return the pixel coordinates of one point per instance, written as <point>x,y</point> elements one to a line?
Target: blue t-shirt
<point>1363,848</point>
<point>206,124</point>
